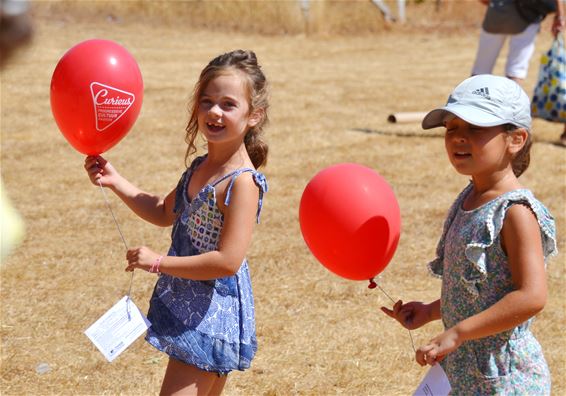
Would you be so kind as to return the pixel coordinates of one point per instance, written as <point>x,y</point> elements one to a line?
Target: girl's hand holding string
<point>438,347</point>
<point>143,258</point>
<point>100,171</point>
<point>411,315</point>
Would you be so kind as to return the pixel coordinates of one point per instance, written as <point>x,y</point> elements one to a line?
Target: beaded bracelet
<point>154,269</point>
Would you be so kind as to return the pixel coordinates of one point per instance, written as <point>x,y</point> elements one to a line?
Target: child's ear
<point>518,139</point>
<point>255,117</point>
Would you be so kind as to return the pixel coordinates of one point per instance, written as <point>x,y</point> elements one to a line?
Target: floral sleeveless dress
<point>475,275</point>
<point>209,324</point>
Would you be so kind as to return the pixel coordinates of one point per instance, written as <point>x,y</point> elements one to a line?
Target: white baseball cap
<point>484,100</point>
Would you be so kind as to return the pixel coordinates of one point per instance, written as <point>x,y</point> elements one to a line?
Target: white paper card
<point>435,383</point>
<point>117,328</point>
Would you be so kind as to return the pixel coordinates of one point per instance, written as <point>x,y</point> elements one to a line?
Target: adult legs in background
<point>488,50</point>
<point>521,49</point>
<point>184,379</point>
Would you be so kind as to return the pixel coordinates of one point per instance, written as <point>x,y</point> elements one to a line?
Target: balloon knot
<point>372,284</point>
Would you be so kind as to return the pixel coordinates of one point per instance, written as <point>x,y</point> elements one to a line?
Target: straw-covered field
<point>332,90</point>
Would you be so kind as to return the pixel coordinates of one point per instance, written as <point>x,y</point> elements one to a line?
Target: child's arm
<point>414,314</point>
<point>236,235</point>
<point>149,207</point>
<point>521,240</point>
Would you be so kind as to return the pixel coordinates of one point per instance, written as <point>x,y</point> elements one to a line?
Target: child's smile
<point>214,127</point>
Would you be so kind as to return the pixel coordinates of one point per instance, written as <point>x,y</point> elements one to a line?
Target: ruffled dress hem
<point>172,350</point>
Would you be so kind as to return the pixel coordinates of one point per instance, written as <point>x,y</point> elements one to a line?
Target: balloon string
<point>372,282</point>
<point>119,231</point>
<point>384,292</point>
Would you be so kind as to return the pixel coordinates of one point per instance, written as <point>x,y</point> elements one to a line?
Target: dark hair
<point>245,62</point>
<point>522,159</point>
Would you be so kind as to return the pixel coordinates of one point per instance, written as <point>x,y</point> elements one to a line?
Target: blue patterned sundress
<point>475,275</point>
<point>208,324</point>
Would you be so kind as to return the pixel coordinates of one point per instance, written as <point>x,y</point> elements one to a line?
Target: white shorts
<point>521,48</point>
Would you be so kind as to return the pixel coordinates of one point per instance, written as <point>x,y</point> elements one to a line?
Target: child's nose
<point>459,135</point>
<point>215,110</point>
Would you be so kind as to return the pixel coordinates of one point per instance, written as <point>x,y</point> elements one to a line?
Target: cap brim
<point>472,115</point>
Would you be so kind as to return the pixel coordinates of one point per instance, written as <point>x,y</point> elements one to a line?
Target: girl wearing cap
<point>493,249</point>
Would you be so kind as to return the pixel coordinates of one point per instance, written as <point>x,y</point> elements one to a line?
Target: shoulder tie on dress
<point>259,180</point>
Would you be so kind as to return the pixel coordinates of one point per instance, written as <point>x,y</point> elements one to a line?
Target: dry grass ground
<point>331,94</point>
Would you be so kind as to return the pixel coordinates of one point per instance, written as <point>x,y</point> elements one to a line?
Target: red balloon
<point>96,95</point>
<point>350,220</point>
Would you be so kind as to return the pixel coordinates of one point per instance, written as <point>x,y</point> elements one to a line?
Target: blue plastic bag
<point>549,97</point>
